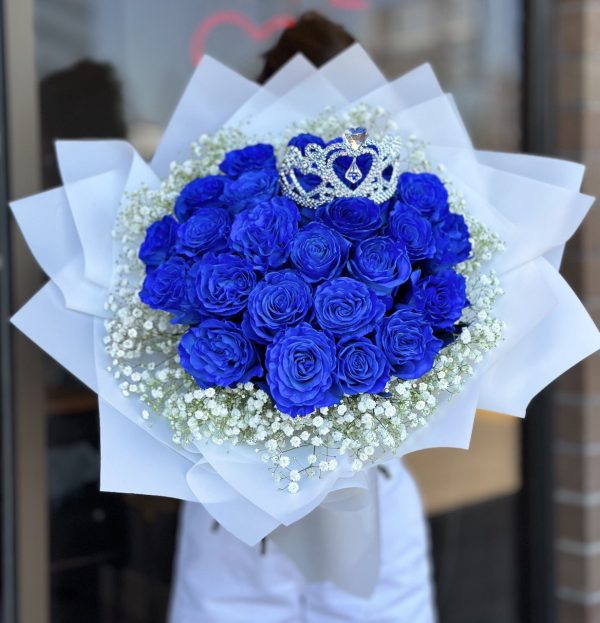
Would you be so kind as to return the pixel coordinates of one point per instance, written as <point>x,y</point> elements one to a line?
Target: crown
<point>350,166</point>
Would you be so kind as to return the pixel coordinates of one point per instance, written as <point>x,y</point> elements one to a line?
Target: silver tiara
<point>377,181</point>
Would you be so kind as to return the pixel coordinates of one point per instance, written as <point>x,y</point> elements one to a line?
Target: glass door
<point>114,68</point>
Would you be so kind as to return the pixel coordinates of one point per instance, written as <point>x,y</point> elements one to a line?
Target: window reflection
<point>474,46</point>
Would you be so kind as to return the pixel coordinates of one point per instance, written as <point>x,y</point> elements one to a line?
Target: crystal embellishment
<point>377,183</point>
<point>353,174</point>
<point>355,138</point>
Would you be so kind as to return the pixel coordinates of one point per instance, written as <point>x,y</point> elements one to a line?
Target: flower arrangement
<point>306,332</point>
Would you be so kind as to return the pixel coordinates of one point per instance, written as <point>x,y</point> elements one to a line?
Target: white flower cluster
<point>142,342</point>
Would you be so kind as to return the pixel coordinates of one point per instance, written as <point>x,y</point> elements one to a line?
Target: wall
<point>577,448</point>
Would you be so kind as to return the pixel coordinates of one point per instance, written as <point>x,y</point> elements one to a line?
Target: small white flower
<point>356,465</point>
<point>324,466</point>
<point>293,487</point>
<point>367,419</point>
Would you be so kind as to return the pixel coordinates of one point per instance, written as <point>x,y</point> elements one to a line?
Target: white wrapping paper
<point>330,527</point>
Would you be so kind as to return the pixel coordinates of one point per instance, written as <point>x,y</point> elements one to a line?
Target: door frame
<point>7,434</point>
<point>25,577</point>
<point>537,520</point>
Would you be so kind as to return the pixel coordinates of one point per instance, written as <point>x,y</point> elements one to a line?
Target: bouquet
<point>309,279</point>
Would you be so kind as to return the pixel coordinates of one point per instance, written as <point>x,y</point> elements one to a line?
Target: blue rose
<point>251,189</point>
<point>381,262</point>
<point>281,300</point>
<point>220,285</point>
<point>159,242</point>
<point>217,353</point>
<point>362,367</point>
<point>319,252</point>
<point>251,158</point>
<point>200,193</point>
<point>406,224</point>
<point>346,307</point>
<point>356,218</point>
<point>165,287</point>
<point>207,230</point>
<point>452,242</point>
<point>301,375</point>
<point>302,140</point>
<point>425,192</point>
<point>264,234</point>
<point>408,342</point>
<point>441,297</point>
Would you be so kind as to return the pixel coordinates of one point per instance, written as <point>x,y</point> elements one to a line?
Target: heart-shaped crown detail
<point>351,166</point>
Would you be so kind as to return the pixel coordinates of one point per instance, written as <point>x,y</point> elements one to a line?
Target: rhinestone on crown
<point>355,138</point>
<point>377,182</point>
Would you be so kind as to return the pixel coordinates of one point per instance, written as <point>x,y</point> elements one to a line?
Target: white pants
<point>218,579</point>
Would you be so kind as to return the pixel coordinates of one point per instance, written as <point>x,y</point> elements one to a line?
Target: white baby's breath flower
<point>357,465</point>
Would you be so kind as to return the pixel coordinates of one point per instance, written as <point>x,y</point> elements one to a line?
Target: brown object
<point>315,36</point>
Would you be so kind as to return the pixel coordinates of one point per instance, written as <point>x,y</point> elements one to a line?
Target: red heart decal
<point>242,21</point>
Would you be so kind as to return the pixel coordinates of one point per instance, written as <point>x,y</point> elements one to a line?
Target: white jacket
<point>218,579</point>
